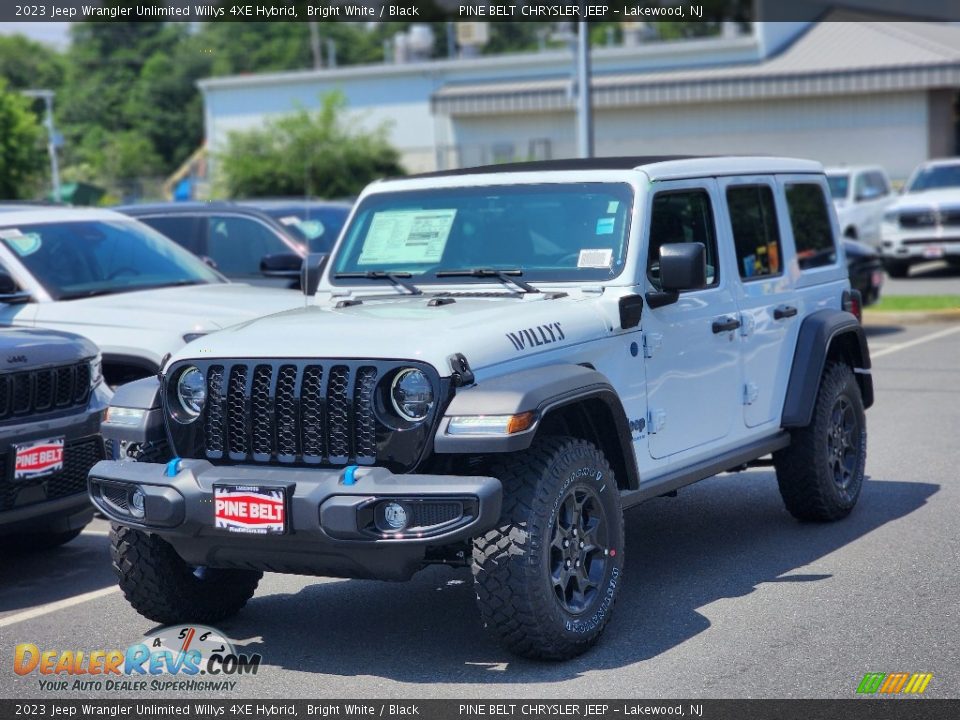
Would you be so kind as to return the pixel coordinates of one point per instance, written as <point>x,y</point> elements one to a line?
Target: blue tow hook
<point>350,475</point>
<point>173,467</point>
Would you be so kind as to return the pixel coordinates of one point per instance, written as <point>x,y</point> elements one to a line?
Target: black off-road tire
<point>520,566</point>
<point>162,587</point>
<point>820,473</point>
<point>38,541</point>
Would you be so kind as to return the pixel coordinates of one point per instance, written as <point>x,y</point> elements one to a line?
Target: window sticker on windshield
<point>612,206</point>
<point>22,244</point>
<point>407,236</point>
<point>605,225</point>
<point>289,220</point>
<point>595,258</point>
<point>312,228</point>
<point>8,233</point>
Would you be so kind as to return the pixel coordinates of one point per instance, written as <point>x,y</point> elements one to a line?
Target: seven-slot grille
<point>283,412</point>
<point>32,392</point>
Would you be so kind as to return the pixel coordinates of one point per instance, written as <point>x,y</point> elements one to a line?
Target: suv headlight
<point>191,392</point>
<point>411,394</point>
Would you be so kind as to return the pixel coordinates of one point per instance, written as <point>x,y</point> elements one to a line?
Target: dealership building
<point>846,90</point>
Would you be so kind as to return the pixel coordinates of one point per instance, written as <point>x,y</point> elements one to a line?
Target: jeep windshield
<point>83,258</point>
<point>551,232</point>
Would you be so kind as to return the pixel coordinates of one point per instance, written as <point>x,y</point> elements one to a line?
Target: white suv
<point>924,223</point>
<point>497,363</point>
<point>860,194</point>
<point>126,287</point>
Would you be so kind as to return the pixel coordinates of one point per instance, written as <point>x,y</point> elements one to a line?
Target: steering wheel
<point>125,270</point>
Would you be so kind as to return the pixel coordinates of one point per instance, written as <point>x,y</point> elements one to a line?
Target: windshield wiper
<point>504,276</point>
<point>394,277</point>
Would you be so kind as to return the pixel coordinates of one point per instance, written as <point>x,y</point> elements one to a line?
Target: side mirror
<point>683,266</point>
<point>281,265</point>
<point>311,271</point>
<point>10,292</point>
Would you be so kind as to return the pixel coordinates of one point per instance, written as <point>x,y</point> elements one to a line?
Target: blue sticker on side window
<point>605,225</point>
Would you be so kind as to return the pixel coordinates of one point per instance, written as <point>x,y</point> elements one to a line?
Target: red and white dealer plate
<point>249,509</point>
<point>38,459</point>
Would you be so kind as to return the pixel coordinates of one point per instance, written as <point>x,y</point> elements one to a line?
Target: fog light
<point>395,516</point>
<point>137,499</point>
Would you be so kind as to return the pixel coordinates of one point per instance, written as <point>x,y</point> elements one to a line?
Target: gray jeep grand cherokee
<point>52,399</point>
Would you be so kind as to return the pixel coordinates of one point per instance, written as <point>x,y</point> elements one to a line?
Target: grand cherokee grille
<point>47,390</point>
<point>295,412</point>
<point>78,458</point>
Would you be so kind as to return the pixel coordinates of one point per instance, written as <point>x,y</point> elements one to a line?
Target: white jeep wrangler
<point>495,363</point>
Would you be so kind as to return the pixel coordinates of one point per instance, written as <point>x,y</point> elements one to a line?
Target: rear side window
<point>679,217</point>
<point>183,229</point>
<point>753,217</point>
<point>810,220</point>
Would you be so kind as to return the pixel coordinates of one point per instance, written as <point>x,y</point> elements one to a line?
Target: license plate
<point>249,509</point>
<point>933,252</point>
<point>38,459</point>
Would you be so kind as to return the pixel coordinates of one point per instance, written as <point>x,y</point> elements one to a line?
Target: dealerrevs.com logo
<point>894,683</point>
<point>174,658</point>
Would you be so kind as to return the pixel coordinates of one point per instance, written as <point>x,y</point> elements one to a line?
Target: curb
<point>878,317</point>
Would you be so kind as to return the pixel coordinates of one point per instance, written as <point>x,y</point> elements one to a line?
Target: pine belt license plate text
<point>933,252</point>
<point>249,509</point>
<point>38,459</point>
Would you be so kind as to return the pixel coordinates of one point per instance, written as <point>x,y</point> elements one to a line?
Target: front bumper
<point>921,245</point>
<point>328,522</point>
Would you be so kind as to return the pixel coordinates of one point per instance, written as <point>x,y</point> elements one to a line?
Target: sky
<point>51,33</point>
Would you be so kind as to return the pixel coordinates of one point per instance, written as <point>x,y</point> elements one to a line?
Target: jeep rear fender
<point>825,335</point>
<point>568,399</point>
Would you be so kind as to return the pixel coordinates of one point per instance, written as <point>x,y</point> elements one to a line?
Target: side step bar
<point>663,484</point>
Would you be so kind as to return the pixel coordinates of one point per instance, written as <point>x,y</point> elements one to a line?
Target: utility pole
<point>53,139</point>
<point>315,45</point>
<point>584,107</point>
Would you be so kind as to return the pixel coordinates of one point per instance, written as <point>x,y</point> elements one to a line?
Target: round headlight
<point>191,391</point>
<point>412,395</point>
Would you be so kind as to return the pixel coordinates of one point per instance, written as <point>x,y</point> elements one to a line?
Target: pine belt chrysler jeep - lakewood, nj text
<point>496,363</point>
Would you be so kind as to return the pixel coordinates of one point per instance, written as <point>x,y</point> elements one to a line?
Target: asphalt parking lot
<point>726,595</point>
<point>932,278</point>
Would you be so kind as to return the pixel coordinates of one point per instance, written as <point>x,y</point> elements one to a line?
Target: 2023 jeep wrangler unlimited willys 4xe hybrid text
<point>495,364</point>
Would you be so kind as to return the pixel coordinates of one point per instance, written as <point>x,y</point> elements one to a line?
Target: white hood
<point>152,323</point>
<point>944,197</point>
<point>486,330</point>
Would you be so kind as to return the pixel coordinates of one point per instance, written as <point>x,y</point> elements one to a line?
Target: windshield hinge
<point>651,342</point>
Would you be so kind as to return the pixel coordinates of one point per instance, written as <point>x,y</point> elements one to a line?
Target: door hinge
<point>657,420</point>
<point>750,393</point>
<point>747,324</point>
<point>651,341</point>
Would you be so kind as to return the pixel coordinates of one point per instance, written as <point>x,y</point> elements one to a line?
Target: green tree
<point>318,153</point>
<point>21,150</point>
<point>25,63</point>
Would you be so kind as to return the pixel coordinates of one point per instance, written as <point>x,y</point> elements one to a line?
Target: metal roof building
<point>846,90</point>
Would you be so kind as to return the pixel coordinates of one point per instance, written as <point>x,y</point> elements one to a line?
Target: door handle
<point>784,311</point>
<point>725,325</point>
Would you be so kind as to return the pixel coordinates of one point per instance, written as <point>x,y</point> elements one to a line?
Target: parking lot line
<point>918,341</point>
<point>58,605</point>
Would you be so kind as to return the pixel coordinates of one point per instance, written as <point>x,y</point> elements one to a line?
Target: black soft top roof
<point>601,163</point>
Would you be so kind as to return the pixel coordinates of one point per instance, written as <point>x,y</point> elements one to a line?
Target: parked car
<point>860,194</point>
<point>118,282</point>
<point>866,270</point>
<point>924,223</point>
<point>498,362</point>
<point>262,242</point>
<point>52,399</point>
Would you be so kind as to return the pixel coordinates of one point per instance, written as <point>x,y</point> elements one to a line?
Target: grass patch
<point>906,303</point>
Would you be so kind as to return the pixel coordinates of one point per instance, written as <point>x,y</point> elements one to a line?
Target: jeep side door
<point>691,346</point>
<point>769,309</point>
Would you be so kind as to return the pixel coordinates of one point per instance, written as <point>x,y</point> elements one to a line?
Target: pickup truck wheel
<point>820,474</point>
<point>896,268</point>
<point>162,587</point>
<point>548,575</point>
